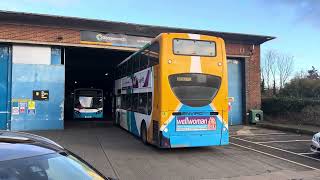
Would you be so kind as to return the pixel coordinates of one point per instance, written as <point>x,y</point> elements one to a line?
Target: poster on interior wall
<point>31,105</point>
<point>22,107</point>
<point>31,111</point>
<point>40,95</point>
<point>15,108</point>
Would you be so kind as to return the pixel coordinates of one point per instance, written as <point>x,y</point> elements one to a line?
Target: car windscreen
<point>47,167</point>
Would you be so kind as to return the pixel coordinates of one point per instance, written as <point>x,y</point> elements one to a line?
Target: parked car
<point>315,146</point>
<point>28,156</point>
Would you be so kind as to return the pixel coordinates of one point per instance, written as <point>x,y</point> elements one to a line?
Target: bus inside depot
<point>89,82</point>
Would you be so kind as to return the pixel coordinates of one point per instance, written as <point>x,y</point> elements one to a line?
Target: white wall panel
<point>22,54</point>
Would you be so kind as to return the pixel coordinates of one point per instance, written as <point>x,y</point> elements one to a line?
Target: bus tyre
<point>143,133</point>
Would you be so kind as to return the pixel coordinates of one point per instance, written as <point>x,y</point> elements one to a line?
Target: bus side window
<point>149,104</point>
<point>125,69</point>
<point>144,59</point>
<point>136,63</point>
<point>142,107</point>
<point>154,54</point>
<point>122,70</point>
<point>129,67</point>
<point>119,72</point>
<point>118,103</point>
<point>123,99</point>
<point>128,100</point>
<point>135,99</point>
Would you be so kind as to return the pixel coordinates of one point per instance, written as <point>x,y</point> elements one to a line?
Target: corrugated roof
<point>119,27</point>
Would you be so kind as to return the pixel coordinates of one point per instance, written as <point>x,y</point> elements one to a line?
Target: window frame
<point>122,71</point>
<point>153,46</point>
<point>149,96</point>
<point>136,61</point>
<point>135,98</point>
<point>143,96</point>
<point>215,45</point>
<point>144,56</point>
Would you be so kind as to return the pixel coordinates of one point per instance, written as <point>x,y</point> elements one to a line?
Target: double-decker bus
<point>88,103</point>
<point>173,92</point>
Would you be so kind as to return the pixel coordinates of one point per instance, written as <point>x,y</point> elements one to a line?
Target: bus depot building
<point>44,58</point>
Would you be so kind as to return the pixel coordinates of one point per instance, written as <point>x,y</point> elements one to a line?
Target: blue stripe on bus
<point>133,124</point>
<point>88,115</point>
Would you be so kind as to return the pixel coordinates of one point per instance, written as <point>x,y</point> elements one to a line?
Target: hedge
<point>281,105</point>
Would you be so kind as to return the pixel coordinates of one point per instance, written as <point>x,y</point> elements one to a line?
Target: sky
<point>294,23</point>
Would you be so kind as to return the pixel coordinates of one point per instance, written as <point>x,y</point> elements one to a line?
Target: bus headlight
<point>169,61</point>
<point>165,130</point>
<point>98,112</point>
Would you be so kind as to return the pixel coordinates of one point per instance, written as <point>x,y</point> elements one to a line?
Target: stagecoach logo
<point>106,38</point>
<point>110,39</point>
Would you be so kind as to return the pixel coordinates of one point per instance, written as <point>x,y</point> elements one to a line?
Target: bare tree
<point>276,69</point>
<point>273,69</point>
<point>268,68</point>
<point>285,68</point>
<point>300,74</point>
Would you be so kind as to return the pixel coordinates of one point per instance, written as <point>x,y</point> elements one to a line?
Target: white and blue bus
<point>173,92</point>
<point>88,103</point>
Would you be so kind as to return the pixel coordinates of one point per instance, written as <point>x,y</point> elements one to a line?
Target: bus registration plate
<point>195,123</point>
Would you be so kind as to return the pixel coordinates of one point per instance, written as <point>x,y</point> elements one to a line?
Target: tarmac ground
<point>253,153</point>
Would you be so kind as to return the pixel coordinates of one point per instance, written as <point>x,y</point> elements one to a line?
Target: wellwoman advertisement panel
<point>195,123</point>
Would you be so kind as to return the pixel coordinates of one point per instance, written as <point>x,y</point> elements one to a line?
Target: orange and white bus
<point>173,92</point>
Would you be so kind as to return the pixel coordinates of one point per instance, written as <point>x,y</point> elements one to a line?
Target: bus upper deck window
<point>129,67</point>
<point>125,69</point>
<point>190,47</point>
<point>136,63</point>
<point>144,60</point>
<point>121,70</point>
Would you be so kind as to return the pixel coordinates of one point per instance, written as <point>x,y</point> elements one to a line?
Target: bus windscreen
<point>85,102</point>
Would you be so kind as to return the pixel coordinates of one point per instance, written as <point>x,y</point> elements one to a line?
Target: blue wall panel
<point>235,89</point>
<point>48,114</point>
<point>5,86</point>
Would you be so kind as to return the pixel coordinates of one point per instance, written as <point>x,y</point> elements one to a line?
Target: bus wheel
<point>143,133</point>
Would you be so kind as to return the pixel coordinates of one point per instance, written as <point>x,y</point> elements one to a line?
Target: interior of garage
<point>90,68</point>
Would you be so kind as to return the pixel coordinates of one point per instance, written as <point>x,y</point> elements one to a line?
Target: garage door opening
<point>90,68</point>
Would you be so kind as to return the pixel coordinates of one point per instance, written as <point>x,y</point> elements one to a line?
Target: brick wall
<point>252,75</point>
<point>43,34</point>
<point>39,34</point>
<point>253,81</point>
